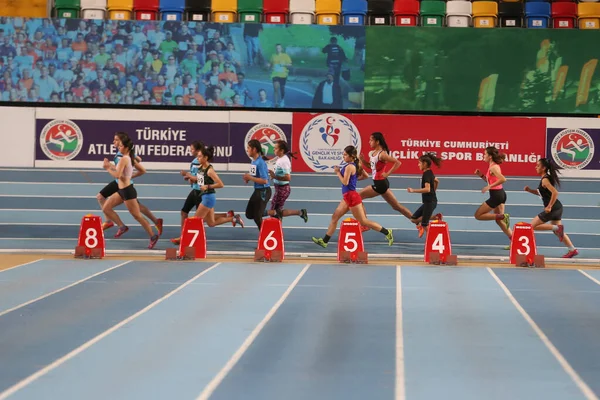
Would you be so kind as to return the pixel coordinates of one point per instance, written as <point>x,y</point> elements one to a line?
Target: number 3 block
<point>270,240</point>
<point>523,243</point>
<point>351,240</point>
<point>438,241</point>
<point>91,236</point>
<point>193,236</point>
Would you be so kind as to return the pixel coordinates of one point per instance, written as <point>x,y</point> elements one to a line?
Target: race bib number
<point>253,170</point>
<point>200,179</point>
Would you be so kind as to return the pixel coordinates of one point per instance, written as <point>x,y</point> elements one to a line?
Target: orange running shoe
<point>107,225</point>
<point>159,226</point>
<point>176,240</point>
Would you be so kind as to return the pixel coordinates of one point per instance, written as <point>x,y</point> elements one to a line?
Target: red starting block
<point>438,247</point>
<point>523,249</point>
<point>193,236</point>
<point>91,238</point>
<point>350,245</point>
<point>270,241</point>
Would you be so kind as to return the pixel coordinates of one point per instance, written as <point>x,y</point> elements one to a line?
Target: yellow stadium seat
<point>7,8</point>
<point>588,15</point>
<point>120,9</point>
<point>25,9</point>
<point>224,11</point>
<point>328,11</point>
<point>485,14</point>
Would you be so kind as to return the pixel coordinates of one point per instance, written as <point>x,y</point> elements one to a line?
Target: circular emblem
<point>267,135</point>
<point>61,140</point>
<point>572,149</point>
<point>324,138</point>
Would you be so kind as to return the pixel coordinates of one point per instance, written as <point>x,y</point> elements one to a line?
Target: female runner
<point>497,200</point>
<point>127,193</point>
<point>550,218</point>
<point>259,174</point>
<point>351,199</point>
<point>429,184</point>
<point>281,180</point>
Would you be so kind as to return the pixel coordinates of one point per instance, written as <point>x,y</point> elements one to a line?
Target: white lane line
<point>21,265</point>
<point>400,390</point>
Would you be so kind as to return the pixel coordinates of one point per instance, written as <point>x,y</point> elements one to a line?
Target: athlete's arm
<point>218,182</point>
<point>479,174</point>
<point>501,179</point>
<point>388,158</point>
<point>532,191</point>
<point>350,169</point>
<point>364,175</point>
<point>116,173</point>
<point>138,159</point>
<point>546,183</point>
<point>436,182</point>
<point>139,170</point>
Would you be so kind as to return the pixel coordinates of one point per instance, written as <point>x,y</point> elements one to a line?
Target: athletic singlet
<point>351,186</point>
<point>128,170</point>
<point>546,194</point>
<point>377,166</point>
<point>116,161</point>
<point>491,179</point>
<point>194,171</point>
<point>204,179</point>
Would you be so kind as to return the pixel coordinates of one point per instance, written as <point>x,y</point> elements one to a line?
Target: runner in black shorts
<point>550,218</point>
<point>429,184</point>
<point>379,157</point>
<point>497,200</point>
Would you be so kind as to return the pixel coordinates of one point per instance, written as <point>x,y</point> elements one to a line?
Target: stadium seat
<point>458,14</point>
<point>564,15</point>
<point>26,9</point>
<point>67,8</point>
<point>485,14</point>
<point>380,12</point>
<point>354,12</point>
<point>198,10</point>
<point>120,9</point>
<point>172,10</point>
<point>406,12</point>
<point>250,10</point>
<point>93,9</point>
<point>589,15</point>
<point>276,11</point>
<point>328,11</point>
<point>537,14</point>
<point>302,12</point>
<point>224,11</point>
<point>146,10</point>
<point>433,13</point>
<point>510,15</point>
<point>589,1</point>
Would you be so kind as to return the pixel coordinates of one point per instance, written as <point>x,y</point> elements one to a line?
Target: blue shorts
<point>209,200</point>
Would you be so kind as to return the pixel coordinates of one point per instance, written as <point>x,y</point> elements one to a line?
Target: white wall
<point>17,135</point>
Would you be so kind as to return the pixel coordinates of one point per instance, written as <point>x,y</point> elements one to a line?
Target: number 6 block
<point>438,241</point>
<point>193,235</point>
<point>523,243</point>
<point>270,241</point>
<point>351,241</point>
<point>91,237</point>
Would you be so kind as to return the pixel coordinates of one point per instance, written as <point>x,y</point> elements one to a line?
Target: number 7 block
<point>193,235</point>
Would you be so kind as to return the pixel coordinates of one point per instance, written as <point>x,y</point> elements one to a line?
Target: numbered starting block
<point>523,250</point>
<point>350,246</point>
<point>438,247</point>
<point>270,241</point>
<point>90,243</point>
<point>193,241</point>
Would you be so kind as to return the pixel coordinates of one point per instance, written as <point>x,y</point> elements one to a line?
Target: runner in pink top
<point>497,200</point>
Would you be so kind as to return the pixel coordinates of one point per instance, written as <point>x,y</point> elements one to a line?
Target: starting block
<point>270,241</point>
<point>523,250</point>
<point>90,243</point>
<point>189,253</point>
<point>350,246</point>
<point>192,237</point>
<point>438,247</point>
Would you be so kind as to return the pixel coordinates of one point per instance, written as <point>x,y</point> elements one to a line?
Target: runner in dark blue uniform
<point>259,174</point>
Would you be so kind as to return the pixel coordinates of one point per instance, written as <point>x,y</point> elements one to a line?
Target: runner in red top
<point>379,157</point>
<point>497,200</point>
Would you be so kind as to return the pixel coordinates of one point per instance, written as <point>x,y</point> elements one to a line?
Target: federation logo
<point>572,149</point>
<point>61,140</point>
<point>324,138</point>
<point>267,135</point>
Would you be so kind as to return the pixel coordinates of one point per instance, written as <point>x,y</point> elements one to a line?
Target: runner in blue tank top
<point>259,174</point>
<point>352,201</point>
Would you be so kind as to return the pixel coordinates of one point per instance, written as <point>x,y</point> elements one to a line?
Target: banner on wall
<point>572,143</point>
<point>460,141</point>
<point>84,142</point>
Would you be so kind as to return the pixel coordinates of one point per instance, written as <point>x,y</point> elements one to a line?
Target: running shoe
<point>121,231</point>
<point>438,217</point>
<point>176,240</point>
<point>237,220</point>
<point>507,220</point>
<point>560,232</point>
<point>320,242</point>
<point>507,247</point>
<point>421,230</point>
<point>230,213</point>
<point>364,228</point>
<point>107,225</point>
<point>304,215</point>
<point>390,237</point>
<point>159,226</point>
<point>153,241</point>
<point>571,254</point>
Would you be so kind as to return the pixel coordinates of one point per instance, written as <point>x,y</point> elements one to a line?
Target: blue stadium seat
<point>537,14</point>
<point>172,10</point>
<point>354,12</point>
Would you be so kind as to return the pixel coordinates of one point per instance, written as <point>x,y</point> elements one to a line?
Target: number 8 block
<point>91,235</point>
<point>523,243</point>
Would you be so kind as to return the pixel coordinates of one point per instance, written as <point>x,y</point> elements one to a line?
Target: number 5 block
<point>351,241</point>
<point>91,237</point>
<point>270,241</point>
<point>438,242</point>
<point>523,243</point>
<point>193,236</point>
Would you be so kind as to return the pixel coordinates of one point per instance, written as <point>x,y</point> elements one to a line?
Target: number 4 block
<point>438,247</point>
